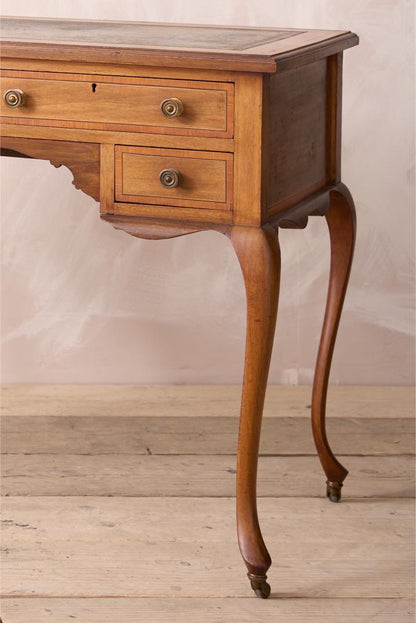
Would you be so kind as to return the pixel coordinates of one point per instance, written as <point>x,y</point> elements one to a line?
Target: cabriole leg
<point>259,256</point>
<point>341,224</point>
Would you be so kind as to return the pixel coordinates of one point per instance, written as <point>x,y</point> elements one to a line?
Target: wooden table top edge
<point>263,57</point>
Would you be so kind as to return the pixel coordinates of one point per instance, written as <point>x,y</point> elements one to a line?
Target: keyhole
<point>94,86</point>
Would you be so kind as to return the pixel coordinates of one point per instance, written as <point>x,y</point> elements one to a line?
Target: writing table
<point>176,129</point>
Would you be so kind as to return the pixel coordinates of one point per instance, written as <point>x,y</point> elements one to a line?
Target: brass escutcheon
<point>170,178</point>
<point>171,107</point>
<point>14,98</point>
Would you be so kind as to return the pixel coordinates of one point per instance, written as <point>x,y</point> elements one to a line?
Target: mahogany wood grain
<point>112,69</point>
<point>259,255</point>
<point>100,102</point>
<point>206,177</point>
<point>205,216</point>
<point>113,137</point>
<point>342,226</point>
<point>150,229</point>
<point>249,159</point>
<point>82,159</point>
<point>297,216</point>
<point>334,117</point>
<point>297,135</point>
<point>107,178</point>
<point>315,52</point>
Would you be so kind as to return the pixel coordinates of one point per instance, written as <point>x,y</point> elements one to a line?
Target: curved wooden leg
<point>341,224</point>
<point>259,256</point>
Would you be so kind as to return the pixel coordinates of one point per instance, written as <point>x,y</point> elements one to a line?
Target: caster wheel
<point>264,591</point>
<point>333,497</point>
<point>259,586</point>
<point>333,491</point>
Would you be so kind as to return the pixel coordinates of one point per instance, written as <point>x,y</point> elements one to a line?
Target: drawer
<point>120,103</point>
<point>172,177</point>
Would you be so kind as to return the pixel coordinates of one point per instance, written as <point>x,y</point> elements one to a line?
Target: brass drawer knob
<point>170,178</point>
<point>171,107</point>
<point>14,98</point>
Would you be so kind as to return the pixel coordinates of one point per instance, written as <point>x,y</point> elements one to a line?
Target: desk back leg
<point>342,226</point>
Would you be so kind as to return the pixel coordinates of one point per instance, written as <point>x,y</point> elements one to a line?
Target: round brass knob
<point>171,107</point>
<point>170,178</point>
<point>14,98</point>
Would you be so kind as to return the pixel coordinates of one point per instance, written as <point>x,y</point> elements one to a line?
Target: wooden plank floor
<point>118,506</point>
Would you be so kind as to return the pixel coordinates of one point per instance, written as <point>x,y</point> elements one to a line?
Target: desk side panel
<point>302,133</point>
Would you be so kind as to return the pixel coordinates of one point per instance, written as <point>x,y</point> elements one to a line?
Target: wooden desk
<point>177,129</point>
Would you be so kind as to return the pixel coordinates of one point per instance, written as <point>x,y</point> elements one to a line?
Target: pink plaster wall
<point>83,303</point>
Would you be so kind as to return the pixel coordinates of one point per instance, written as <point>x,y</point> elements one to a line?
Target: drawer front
<point>100,102</point>
<point>173,177</point>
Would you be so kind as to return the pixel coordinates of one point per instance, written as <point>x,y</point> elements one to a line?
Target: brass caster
<point>333,491</point>
<point>259,585</point>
